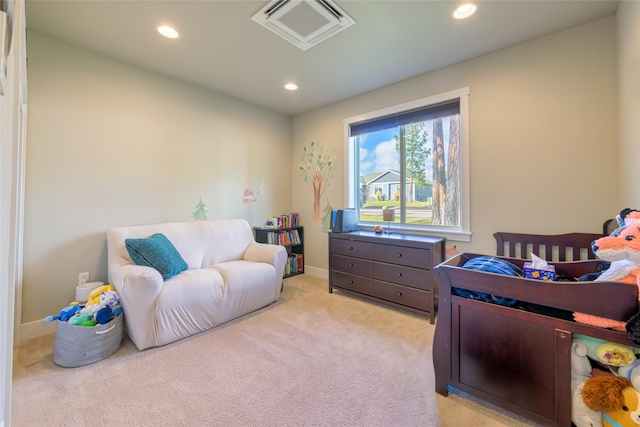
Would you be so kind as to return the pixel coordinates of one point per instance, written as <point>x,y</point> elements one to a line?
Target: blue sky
<point>378,150</point>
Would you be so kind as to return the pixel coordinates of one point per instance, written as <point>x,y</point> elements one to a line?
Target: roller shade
<point>444,109</point>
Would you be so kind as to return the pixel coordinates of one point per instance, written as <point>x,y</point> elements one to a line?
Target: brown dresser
<point>393,269</point>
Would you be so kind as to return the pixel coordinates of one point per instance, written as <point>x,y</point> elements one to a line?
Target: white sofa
<point>228,275</point>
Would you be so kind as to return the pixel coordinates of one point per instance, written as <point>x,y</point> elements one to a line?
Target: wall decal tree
<point>201,212</point>
<point>317,168</point>
<point>326,218</point>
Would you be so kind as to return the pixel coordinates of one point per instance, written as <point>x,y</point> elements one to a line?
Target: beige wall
<point>629,102</point>
<point>110,144</point>
<point>543,136</point>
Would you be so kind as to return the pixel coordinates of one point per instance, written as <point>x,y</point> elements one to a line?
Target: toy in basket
<point>88,333</point>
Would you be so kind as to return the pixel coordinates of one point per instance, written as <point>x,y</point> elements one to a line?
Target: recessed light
<point>291,86</point>
<point>168,32</point>
<point>464,11</point>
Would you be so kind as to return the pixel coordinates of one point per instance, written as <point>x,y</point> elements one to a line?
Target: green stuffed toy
<point>82,319</point>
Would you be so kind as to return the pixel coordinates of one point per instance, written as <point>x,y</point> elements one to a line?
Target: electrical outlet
<point>83,278</point>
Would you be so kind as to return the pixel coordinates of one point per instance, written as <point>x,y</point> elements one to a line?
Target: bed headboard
<point>559,247</point>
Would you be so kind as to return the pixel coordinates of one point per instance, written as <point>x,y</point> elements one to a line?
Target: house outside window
<point>412,158</point>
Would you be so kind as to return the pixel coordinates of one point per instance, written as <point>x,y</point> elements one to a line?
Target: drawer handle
<point>399,294</point>
<point>351,282</point>
<point>350,248</point>
<point>350,264</point>
<point>399,255</point>
<point>399,274</point>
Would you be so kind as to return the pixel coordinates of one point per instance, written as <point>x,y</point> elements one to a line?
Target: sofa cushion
<point>156,252</point>
<point>200,299</point>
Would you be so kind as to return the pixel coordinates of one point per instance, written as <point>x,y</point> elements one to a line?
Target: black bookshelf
<point>292,238</point>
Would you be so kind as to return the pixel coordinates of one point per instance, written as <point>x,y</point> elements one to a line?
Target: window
<point>412,158</point>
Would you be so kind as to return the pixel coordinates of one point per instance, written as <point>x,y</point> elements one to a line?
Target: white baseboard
<point>316,272</point>
<point>41,328</point>
<point>36,329</point>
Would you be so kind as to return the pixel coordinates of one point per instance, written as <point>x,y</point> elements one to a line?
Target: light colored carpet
<point>310,359</point>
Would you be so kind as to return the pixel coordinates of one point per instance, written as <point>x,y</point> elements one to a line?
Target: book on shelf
<point>284,238</point>
<point>287,220</point>
<point>294,264</point>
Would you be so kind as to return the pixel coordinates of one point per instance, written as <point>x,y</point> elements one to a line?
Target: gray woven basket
<point>81,345</point>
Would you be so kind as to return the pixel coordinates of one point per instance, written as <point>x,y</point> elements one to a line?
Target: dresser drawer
<point>359,266</point>
<point>399,294</point>
<point>413,257</point>
<point>391,269</point>
<point>350,282</point>
<point>352,248</point>
<point>400,274</point>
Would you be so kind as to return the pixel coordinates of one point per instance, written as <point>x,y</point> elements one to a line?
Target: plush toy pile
<point>605,376</point>
<point>102,306</point>
<point>605,383</point>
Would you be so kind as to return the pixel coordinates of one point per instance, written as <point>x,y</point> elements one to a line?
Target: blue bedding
<point>490,264</point>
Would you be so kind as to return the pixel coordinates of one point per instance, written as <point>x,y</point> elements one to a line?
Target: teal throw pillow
<point>157,252</point>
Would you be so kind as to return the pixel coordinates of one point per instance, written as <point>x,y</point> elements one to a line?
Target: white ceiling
<point>221,48</point>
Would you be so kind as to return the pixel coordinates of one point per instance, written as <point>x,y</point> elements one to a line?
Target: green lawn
<point>364,216</point>
<point>378,218</point>
<point>394,204</point>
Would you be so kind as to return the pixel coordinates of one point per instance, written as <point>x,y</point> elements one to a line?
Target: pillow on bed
<point>490,264</point>
<point>156,252</point>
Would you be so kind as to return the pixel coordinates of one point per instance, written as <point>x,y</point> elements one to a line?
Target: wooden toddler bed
<point>516,359</point>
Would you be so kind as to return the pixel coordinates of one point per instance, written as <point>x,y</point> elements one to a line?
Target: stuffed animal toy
<point>81,319</point>
<point>625,218</point>
<point>109,298</point>
<point>581,414</point>
<point>619,268</point>
<point>104,315</point>
<point>107,307</point>
<point>94,295</point>
<point>103,305</point>
<point>104,298</point>
<point>622,265</point>
<point>615,397</point>
<point>65,314</point>
<point>451,252</point>
<point>632,373</point>
<point>625,246</point>
<point>624,253</point>
<point>597,350</point>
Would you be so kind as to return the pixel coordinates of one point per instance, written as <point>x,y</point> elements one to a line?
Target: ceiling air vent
<point>303,22</point>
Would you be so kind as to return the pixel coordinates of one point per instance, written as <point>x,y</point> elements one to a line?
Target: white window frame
<point>461,233</point>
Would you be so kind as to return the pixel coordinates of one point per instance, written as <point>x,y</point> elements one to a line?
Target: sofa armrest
<point>275,255</point>
<point>138,287</point>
